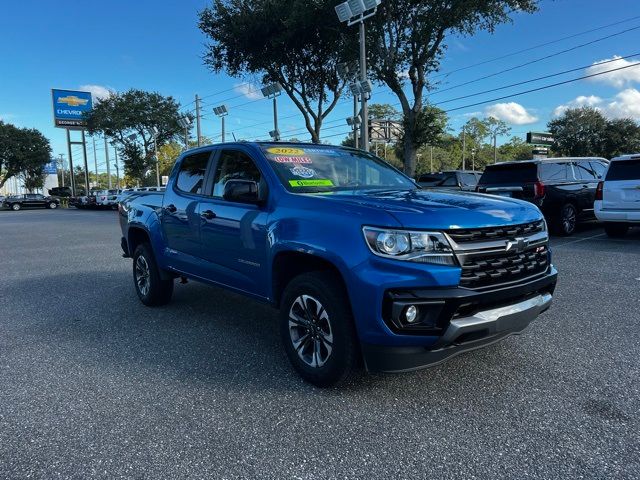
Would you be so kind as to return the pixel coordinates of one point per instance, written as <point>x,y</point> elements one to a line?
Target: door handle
<point>585,186</point>
<point>171,208</point>
<point>208,214</point>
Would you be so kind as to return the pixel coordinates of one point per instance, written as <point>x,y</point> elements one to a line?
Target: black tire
<point>15,207</point>
<point>616,230</point>
<point>565,224</point>
<point>341,361</point>
<point>52,205</point>
<point>152,289</point>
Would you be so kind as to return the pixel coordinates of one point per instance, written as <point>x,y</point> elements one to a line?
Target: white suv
<point>618,196</point>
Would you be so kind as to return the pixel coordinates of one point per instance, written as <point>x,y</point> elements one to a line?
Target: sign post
<point>69,108</point>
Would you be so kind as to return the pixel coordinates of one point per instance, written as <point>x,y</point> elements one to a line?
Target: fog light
<point>411,314</point>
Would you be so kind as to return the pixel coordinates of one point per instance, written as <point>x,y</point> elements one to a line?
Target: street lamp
<point>273,91</point>
<point>221,111</point>
<point>349,71</point>
<point>352,12</point>
<point>184,122</point>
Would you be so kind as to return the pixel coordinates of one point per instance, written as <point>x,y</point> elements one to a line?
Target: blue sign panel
<point>69,107</point>
<point>50,168</point>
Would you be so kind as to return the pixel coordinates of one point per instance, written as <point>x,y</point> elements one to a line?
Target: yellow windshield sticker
<point>311,183</point>
<point>285,151</point>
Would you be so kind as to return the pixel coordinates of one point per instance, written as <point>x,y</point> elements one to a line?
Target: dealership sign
<point>50,168</point>
<point>537,138</point>
<point>69,107</point>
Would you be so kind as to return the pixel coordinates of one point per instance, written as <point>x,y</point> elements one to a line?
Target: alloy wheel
<point>310,331</point>
<point>568,218</point>
<point>142,275</point>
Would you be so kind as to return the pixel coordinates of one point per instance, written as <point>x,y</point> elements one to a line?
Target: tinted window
<point>450,181</point>
<point>233,165</point>
<point>555,172</point>
<point>468,179</point>
<point>191,174</point>
<point>583,171</point>
<point>624,170</point>
<point>599,168</point>
<point>429,178</point>
<point>512,173</point>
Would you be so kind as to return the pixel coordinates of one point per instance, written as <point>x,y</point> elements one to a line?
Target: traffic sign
<point>540,138</point>
<point>69,107</point>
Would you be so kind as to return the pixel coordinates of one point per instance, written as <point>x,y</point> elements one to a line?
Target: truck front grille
<point>491,269</point>
<point>462,236</point>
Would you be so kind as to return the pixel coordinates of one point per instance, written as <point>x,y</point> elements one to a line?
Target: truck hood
<point>443,210</point>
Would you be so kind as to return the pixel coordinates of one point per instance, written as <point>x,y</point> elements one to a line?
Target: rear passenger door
<point>588,179</point>
<point>179,215</point>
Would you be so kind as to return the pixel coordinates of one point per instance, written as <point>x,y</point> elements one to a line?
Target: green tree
<point>406,41</point>
<point>620,136</point>
<point>294,42</point>
<point>496,128</point>
<point>579,132</point>
<point>23,152</point>
<point>383,111</point>
<point>430,126</point>
<point>167,156</point>
<point>32,179</point>
<point>129,118</point>
<point>515,149</point>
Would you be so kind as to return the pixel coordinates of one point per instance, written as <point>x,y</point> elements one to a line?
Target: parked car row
<point>30,200</point>
<point>567,190</point>
<point>107,199</point>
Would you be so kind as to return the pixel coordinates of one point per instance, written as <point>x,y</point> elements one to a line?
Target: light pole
<point>352,12</point>
<point>473,158</point>
<point>349,71</point>
<point>273,91</point>
<point>155,132</point>
<point>221,111</point>
<point>61,155</point>
<point>106,157</point>
<point>354,122</point>
<point>464,147</point>
<point>115,153</point>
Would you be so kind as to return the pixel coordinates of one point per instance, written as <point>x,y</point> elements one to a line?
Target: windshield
<point>305,169</point>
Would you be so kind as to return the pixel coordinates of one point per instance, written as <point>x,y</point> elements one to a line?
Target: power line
<point>540,45</point>
<point>543,87</point>
<point>546,57</point>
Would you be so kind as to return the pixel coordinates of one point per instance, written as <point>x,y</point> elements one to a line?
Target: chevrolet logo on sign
<point>73,101</point>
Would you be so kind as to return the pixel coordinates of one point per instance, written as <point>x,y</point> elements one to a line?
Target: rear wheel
<point>566,223</point>
<point>15,207</point>
<point>616,230</point>
<point>317,329</point>
<point>53,205</point>
<point>150,287</point>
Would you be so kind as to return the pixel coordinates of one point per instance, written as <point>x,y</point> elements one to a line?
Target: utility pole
<point>106,156</point>
<point>495,150</point>
<point>61,155</point>
<point>71,175</point>
<point>155,151</point>
<point>95,158</point>
<point>431,160</point>
<point>198,118</point>
<point>86,164</point>
<point>115,152</point>
<point>464,147</point>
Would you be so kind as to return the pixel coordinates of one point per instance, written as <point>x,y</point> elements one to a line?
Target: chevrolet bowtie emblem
<point>517,245</point>
<point>73,101</point>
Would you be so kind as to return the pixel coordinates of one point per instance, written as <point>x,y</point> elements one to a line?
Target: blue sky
<point>157,46</point>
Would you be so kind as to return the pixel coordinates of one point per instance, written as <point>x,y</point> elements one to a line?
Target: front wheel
<point>317,329</point>
<point>15,207</point>
<point>150,287</point>
<point>616,230</point>
<point>53,205</point>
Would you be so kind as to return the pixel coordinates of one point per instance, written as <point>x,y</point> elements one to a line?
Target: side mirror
<point>242,191</point>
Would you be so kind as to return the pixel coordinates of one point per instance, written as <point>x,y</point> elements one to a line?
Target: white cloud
<point>581,101</point>
<point>248,90</point>
<point>5,117</point>
<point>625,104</point>
<point>510,112</point>
<point>98,92</point>
<point>619,78</point>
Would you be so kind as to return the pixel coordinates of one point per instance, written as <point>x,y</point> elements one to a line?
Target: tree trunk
<point>410,155</point>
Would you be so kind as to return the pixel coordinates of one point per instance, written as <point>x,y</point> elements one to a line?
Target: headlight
<point>412,246</point>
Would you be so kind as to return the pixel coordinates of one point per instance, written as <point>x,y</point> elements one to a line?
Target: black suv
<point>30,200</point>
<point>450,180</point>
<point>563,188</point>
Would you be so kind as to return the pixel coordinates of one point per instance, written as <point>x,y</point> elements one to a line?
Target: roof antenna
<point>234,137</point>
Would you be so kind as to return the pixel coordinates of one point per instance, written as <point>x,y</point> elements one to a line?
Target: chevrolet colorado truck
<point>365,267</point>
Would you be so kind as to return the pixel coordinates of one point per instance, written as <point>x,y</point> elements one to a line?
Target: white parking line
<point>579,240</point>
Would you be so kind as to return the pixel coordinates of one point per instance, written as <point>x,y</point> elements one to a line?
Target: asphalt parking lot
<point>94,384</point>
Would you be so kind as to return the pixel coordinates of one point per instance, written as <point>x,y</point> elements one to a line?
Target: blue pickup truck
<point>365,267</point>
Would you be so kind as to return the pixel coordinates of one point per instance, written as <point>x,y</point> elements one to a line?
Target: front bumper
<point>479,319</point>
